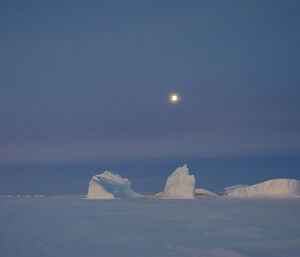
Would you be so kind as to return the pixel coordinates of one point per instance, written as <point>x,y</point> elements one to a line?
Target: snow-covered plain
<point>204,227</point>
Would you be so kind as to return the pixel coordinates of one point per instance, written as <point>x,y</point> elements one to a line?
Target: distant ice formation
<point>180,185</point>
<point>204,192</point>
<point>109,185</point>
<point>270,188</point>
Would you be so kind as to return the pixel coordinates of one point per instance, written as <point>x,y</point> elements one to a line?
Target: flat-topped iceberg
<point>180,185</point>
<point>109,185</point>
<point>270,188</point>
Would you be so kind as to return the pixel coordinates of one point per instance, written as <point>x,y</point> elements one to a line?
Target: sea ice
<point>109,185</point>
<point>270,188</point>
<point>205,227</point>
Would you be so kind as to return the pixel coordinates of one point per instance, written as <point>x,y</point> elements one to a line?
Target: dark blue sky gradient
<point>146,175</point>
<point>87,82</point>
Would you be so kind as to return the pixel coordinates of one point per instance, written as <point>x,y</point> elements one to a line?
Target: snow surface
<point>204,227</point>
<point>180,185</point>
<point>109,185</point>
<point>270,188</point>
<point>204,192</point>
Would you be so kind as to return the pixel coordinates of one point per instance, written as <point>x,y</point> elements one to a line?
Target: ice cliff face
<point>270,188</point>
<point>180,185</point>
<point>109,185</point>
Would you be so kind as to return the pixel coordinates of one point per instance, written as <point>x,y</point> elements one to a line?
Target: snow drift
<point>109,185</point>
<point>204,192</point>
<point>180,185</point>
<point>270,188</point>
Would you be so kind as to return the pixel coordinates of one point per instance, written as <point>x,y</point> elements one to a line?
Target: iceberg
<point>204,192</point>
<point>109,185</point>
<point>180,185</point>
<point>269,188</point>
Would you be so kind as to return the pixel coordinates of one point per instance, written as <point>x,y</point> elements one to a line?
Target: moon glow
<point>174,98</point>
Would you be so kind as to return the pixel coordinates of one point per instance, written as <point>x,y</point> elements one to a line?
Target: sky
<point>84,87</point>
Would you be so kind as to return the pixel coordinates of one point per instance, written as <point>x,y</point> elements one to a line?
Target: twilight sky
<point>88,81</point>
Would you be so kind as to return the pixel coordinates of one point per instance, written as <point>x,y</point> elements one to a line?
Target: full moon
<point>174,98</point>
